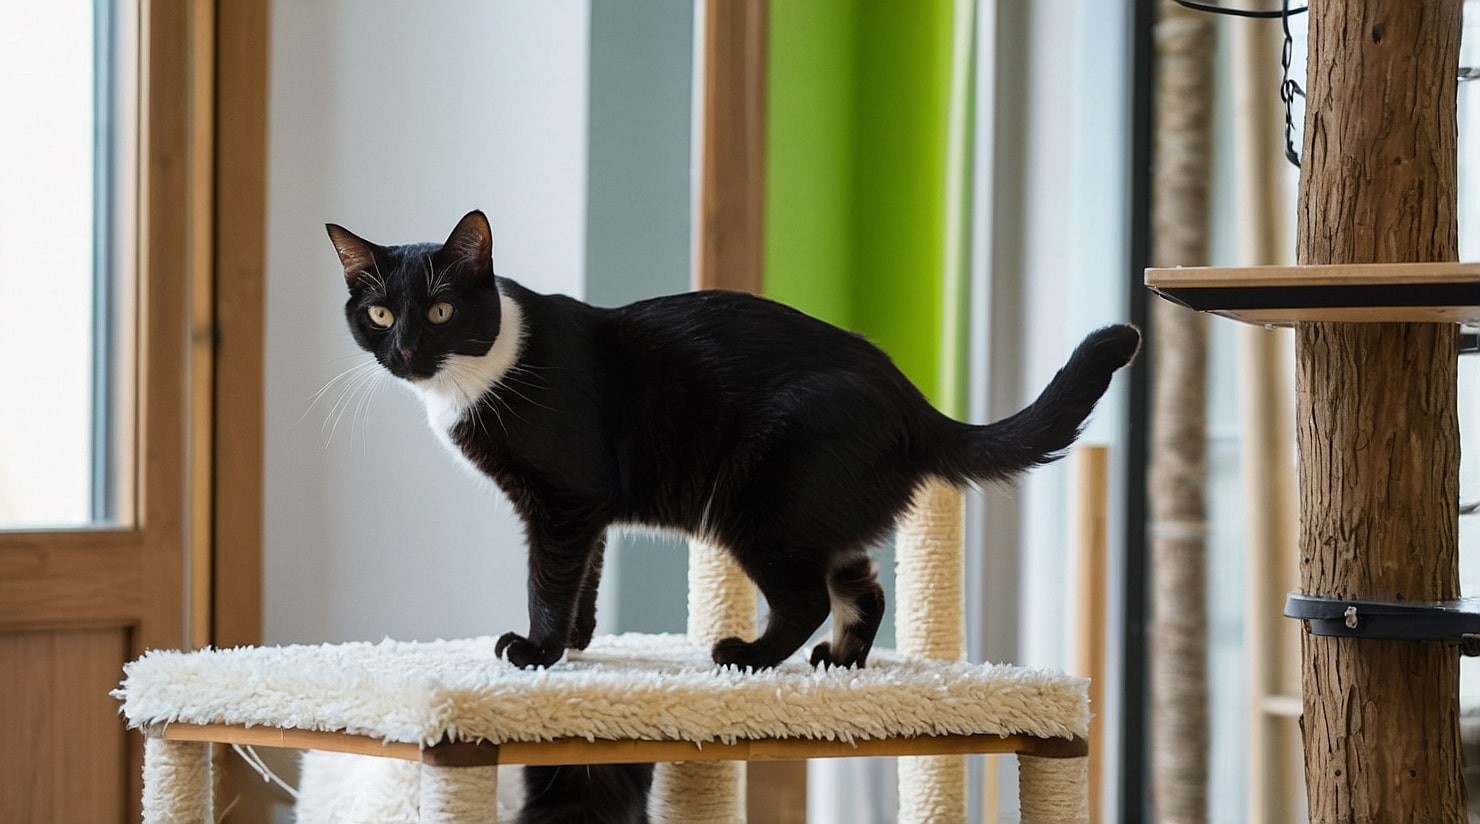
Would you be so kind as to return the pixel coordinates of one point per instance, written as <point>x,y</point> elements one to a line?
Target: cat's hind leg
<point>857,603</point>
<point>798,605</point>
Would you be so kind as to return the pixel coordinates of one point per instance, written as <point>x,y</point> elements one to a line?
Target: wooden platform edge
<point>1344,314</point>
<point>580,751</point>
<point>1354,274</point>
<point>1445,292</point>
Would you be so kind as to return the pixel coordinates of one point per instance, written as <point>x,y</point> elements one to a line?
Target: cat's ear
<point>469,249</point>
<point>356,253</point>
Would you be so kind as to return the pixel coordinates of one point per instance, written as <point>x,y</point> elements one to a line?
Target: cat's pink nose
<point>405,353</point>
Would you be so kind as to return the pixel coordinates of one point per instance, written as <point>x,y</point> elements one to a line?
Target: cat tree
<point>1373,304</point>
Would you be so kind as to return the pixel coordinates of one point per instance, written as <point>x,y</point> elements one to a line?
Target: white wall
<point>393,119</point>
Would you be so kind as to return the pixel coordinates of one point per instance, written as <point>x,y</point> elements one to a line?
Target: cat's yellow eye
<point>441,312</point>
<point>382,317</point>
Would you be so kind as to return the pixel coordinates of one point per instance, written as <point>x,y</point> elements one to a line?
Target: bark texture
<point>1376,422</point>
<point>1178,528</point>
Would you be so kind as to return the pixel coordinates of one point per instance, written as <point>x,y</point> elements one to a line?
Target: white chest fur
<point>451,394</point>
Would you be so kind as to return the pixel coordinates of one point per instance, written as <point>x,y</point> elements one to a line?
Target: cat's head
<point>414,306</point>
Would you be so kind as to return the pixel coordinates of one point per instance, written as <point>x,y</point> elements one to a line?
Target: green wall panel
<point>809,157</point>
<point>859,114</point>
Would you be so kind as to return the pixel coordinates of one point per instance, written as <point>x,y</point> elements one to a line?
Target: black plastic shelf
<point>1455,621</point>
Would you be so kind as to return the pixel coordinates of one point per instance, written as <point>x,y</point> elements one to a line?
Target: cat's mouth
<point>412,372</point>
<point>418,377</point>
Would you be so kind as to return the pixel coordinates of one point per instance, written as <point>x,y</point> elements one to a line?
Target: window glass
<point>63,261</point>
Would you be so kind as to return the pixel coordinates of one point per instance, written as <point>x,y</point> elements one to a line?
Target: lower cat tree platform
<point>458,712</point>
<point>457,709</point>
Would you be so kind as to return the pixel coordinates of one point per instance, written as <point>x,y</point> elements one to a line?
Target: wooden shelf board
<point>1356,293</point>
<point>579,751</point>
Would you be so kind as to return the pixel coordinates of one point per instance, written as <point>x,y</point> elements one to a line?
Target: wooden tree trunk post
<point>1178,526</point>
<point>1376,421</point>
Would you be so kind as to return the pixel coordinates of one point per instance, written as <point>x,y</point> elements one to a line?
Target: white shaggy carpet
<point>624,687</point>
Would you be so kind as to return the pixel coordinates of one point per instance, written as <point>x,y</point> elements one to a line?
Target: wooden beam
<point>1376,417</point>
<point>732,186</point>
<point>1091,470</point>
<point>240,274</point>
<point>581,751</point>
<point>60,579</point>
<point>200,431</point>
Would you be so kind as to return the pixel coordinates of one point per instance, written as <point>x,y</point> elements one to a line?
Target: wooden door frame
<point>208,116</point>
<point>242,36</point>
<point>203,191</point>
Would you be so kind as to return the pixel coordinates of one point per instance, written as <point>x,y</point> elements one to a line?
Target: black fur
<point>790,442</point>
<point>579,794</point>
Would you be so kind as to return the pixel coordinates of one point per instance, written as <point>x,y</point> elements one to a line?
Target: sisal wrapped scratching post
<point>459,795</point>
<point>178,785</point>
<point>721,597</point>
<point>930,575</point>
<point>721,604</point>
<point>1052,790</point>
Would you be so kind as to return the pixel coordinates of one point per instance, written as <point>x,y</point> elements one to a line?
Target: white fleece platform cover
<point>648,687</point>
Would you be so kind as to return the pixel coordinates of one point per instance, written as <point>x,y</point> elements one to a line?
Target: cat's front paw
<point>523,653</point>
<point>737,652</point>
<point>582,632</point>
<point>823,654</point>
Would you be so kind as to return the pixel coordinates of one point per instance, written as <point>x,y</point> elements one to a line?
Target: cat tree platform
<point>1356,293</point>
<point>460,711</point>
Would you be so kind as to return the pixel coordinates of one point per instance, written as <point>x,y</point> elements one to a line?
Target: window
<point>65,259</point>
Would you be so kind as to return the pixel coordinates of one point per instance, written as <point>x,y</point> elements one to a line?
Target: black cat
<point>580,794</point>
<point>792,443</point>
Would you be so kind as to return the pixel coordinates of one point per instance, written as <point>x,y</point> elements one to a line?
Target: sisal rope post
<point>721,597</point>
<point>178,783</point>
<point>1052,790</point>
<point>459,795</point>
<point>721,604</point>
<point>1176,496</point>
<point>930,576</point>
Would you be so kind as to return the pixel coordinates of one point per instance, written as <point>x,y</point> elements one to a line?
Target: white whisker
<point>362,411</point>
<point>343,403</point>
<point>493,396</point>
<point>527,399</point>
<point>368,363</point>
<point>482,424</point>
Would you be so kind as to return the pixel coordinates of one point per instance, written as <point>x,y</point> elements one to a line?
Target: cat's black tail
<point>1046,428</point>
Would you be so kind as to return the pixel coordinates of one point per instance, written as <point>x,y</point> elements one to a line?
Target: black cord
<point>1210,8</point>
<point>1289,89</point>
